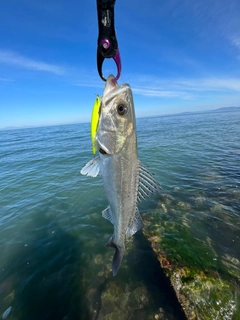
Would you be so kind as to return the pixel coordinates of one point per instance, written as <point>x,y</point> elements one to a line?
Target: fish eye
<point>122,109</point>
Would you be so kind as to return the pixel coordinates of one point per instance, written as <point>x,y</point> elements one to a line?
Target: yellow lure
<point>95,122</point>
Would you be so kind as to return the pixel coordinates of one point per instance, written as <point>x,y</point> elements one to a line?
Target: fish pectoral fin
<point>118,255</point>
<point>92,168</point>
<point>147,184</point>
<point>107,214</point>
<point>137,224</point>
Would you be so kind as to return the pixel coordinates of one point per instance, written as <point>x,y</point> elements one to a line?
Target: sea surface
<point>54,263</point>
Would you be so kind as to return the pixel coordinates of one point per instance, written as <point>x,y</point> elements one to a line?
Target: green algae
<point>179,244</point>
<point>205,284</point>
<point>205,297</point>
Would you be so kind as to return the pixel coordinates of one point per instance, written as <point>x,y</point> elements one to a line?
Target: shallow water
<point>54,264</point>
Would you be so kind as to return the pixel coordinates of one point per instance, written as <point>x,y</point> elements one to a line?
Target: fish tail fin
<point>118,255</point>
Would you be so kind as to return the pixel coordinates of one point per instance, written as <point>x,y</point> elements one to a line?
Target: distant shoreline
<point>219,110</point>
<point>223,109</point>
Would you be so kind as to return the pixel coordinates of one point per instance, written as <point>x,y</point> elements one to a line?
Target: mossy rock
<point>206,287</point>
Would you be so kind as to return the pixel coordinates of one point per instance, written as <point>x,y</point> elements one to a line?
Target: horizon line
<point>226,109</point>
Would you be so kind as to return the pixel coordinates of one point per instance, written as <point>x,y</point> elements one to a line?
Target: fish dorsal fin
<point>147,184</point>
<point>91,168</point>
<point>107,214</point>
<point>137,224</point>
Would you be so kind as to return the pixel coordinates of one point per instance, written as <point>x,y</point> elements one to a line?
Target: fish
<point>126,180</point>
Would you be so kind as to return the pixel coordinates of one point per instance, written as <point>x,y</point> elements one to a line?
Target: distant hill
<point>224,109</point>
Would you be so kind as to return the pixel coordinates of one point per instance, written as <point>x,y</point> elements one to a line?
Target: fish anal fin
<point>91,168</point>
<point>110,243</point>
<point>137,224</point>
<point>107,214</point>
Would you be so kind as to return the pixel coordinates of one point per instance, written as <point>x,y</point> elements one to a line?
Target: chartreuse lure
<point>95,122</point>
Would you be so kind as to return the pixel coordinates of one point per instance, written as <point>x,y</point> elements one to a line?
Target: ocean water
<point>54,263</point>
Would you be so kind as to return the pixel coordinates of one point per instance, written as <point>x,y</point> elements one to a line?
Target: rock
<point>203,282</point>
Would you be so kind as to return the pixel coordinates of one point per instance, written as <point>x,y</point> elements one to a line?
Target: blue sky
<point>176,55</point>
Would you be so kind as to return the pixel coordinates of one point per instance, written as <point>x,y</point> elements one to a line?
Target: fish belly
<point>120,173</point>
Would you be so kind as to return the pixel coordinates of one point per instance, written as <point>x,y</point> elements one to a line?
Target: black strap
<point>107,42</point>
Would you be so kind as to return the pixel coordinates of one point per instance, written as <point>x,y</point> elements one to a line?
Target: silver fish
<point>126,181</point>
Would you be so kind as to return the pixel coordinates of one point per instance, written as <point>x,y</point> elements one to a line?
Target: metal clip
<point>107,41</point>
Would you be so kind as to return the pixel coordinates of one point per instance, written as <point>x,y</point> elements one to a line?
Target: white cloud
<point>12,58</point>
<point>224,84</point>
<point>236,41</point>
<point>184,88</point>
<point>209,84</point>
<point>161,93</point>
<point>5,80</point>
<point>91,84</point>
<point>215,20</point>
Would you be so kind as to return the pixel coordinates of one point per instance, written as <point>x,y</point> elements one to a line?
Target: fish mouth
<point>105,143</point>
<point>110,85</point>
<point>103,149</point>
<point>112,89</point>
